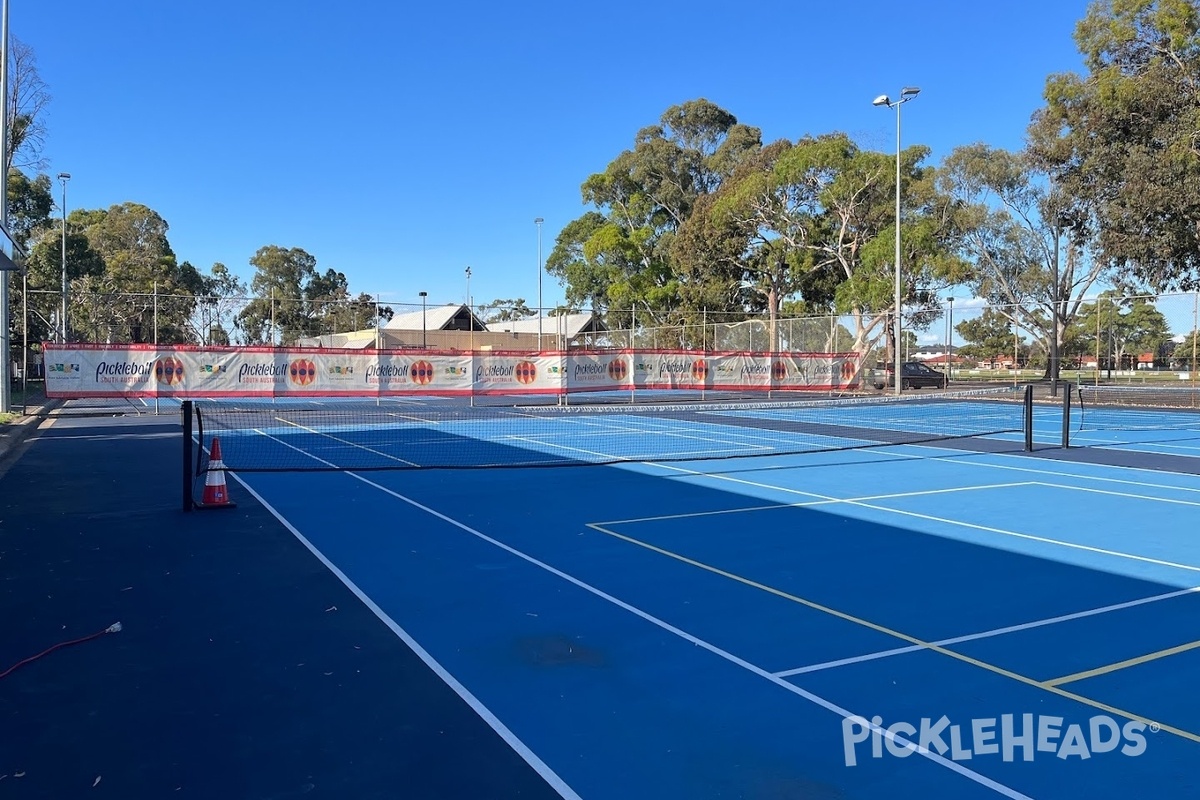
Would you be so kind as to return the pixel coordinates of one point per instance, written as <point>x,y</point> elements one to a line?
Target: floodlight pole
<point>423,296</point>
<point>62,322</point>
<point>470,314</point>
<point>539,222</point>
<point>906,94</point>
<point>1054,354</point>
<point>950,343</point>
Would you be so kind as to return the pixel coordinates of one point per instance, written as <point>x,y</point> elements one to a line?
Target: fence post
<point>25,342</point>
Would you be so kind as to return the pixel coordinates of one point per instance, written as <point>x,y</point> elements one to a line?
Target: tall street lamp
<point>950,342</point>
<point>906,94</point>
<point>539,222</point>
<point>62,323</point>
<point>1056,306</point>
<point>423,296</point>
<point>470,314</point>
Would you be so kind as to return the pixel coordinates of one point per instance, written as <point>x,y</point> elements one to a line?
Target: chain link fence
<point>1110,337</point>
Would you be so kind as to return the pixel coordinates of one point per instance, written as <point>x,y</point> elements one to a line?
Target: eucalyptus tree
<point>43,278</point>
<point>820,214</point>
<point>1121,140</point>
<point>1117,327</point>
<point>293,300</point>
<point>618,255</point>
<point>121,303</point>
<point>277,313</point>
<point>1017,232</point>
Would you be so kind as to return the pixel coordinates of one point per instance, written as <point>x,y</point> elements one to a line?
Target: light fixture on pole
<point>423,296</point>
<point>538,221</point>
<point>1056,308</point>
<point>62,322</point>
<point>470,314</point>
<point>906,94</point>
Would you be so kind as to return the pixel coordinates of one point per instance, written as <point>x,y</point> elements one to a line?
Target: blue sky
<point>400,143</point>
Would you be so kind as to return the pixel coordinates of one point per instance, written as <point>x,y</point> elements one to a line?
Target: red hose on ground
<point>116,626</point>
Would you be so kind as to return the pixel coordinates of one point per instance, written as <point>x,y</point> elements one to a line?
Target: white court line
<point>1031,537</point>
<point>173,435</point>
<point>701,433</point>
<point>1142,447</point>
<point>414,419</point>
<point>841,662</point>
<point>676,454</point>
<point>336,439</point>
<point>727,430</point>
<point>930,517</point>
<point>1076,475</point>
<point>815,503</point>
<point>530,757</point>
<point>511,739</point>
<point>1129,495</point>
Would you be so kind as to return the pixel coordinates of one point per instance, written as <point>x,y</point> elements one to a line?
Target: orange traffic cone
<point>216,494</point>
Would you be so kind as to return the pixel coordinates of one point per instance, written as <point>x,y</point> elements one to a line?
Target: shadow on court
<point>244,669</point>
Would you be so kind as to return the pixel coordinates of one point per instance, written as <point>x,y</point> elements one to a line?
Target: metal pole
<point>5,350</point>
<point>1054,354</point>
<point>1108,355</point>
<point>185,411</point>
<point>1195,331</point>
<point>949,341</point>
<point>423,296</point>
<point>62,323</point>
<point>156,313</point>
<point>471,340</point>
<point>1066,415</point>
<point>470,315</point>
<point>539,222</point>
<point>1028,408</point>
<point>906,94</point>
<point>25,343</point>
<point>897,365</point>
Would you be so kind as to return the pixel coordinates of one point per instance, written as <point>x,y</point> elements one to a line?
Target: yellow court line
<point>901,636</point>
<point>1129,662</point>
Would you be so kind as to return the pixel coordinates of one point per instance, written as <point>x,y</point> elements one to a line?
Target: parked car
<point>913,375</point>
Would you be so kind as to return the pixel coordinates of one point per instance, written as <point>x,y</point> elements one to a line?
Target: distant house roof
<point>352,340</point>
<point>568,325</point>
<point>436,318</point>
<point>942,358</point>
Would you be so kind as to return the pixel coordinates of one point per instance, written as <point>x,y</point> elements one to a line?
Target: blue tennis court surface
<point>954,619</point>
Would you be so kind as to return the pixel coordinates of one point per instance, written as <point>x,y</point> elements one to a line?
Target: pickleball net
<point>333,435</point>
<point>1137,407</point>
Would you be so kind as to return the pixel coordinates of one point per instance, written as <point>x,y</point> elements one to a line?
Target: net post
<point>1028,418</point>
<point>1066,415</point>
<point>186,415</point>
